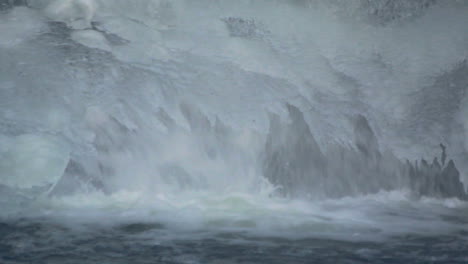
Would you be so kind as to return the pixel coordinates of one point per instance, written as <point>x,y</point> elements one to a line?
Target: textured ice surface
<point>19,25</point>
<point>33,161</point>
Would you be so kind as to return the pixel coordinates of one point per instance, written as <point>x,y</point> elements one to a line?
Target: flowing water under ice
<point>219,131</point>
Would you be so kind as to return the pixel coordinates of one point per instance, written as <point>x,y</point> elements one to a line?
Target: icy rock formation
<point>293,159</point>
<point>362,168</point>
<point>294,162</point>
<point>433,180</point>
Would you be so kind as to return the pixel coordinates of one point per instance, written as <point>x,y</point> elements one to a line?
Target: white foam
<point>372,217</point>
<point>77,14</point>
<point>92,39</point>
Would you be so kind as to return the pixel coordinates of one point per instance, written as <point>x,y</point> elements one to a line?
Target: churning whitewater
<point>220,131</point>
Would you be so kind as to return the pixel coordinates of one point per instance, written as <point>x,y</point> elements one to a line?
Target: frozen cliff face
<point>218,96</point>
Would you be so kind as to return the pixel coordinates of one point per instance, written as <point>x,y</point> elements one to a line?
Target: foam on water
<point>203,215</point>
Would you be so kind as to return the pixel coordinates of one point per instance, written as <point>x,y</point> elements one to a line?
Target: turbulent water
<point>220,131</point>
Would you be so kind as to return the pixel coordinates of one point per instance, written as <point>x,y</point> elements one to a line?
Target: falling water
<point>265,126</point>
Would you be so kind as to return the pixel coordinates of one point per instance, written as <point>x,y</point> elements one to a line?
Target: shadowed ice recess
<point>298,117</point>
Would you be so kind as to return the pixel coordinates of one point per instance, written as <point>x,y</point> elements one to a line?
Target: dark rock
<point>435,181</point>
<point>293,160</point>
<point>364,138</point>
<point>244,28</point>
<point>443,156</point>
<point>436,165</point>
<point>450,184</point>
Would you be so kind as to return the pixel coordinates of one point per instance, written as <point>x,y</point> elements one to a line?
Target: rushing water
<point>219,131</point>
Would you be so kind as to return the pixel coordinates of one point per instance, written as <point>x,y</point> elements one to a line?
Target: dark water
<point>38,242</point>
